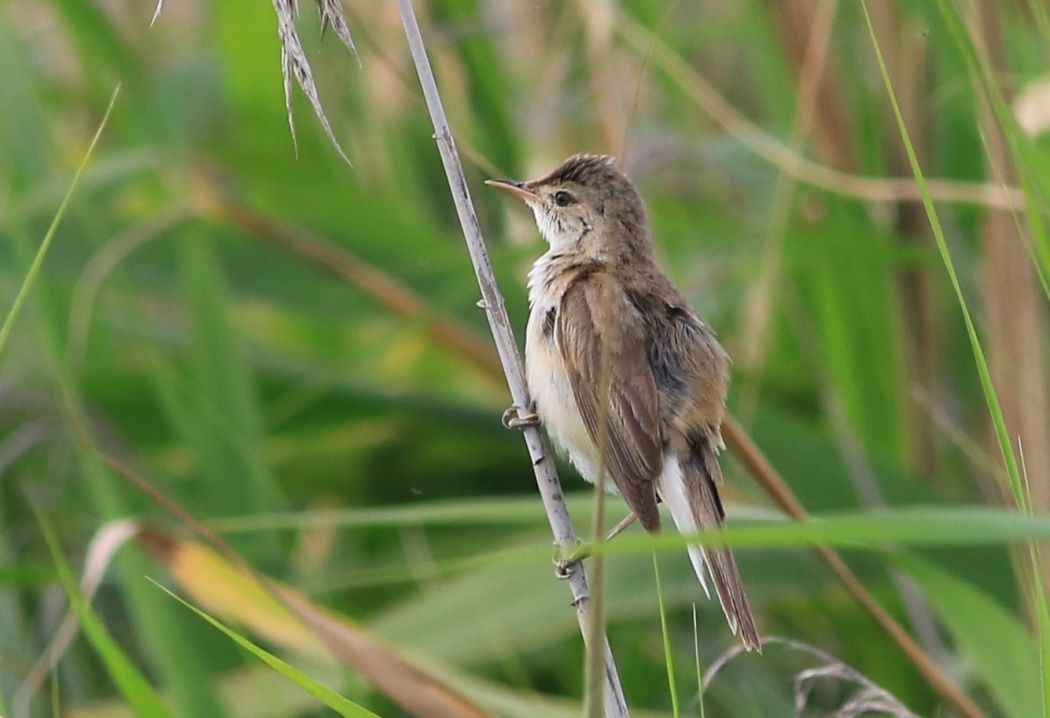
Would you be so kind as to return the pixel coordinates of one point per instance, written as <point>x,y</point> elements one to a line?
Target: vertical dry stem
<point>492,300</point>
<point>833,131</point>
<point>1014,316</point>
<point>918,311</point>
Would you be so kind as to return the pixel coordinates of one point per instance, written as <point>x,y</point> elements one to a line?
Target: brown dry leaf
<point>290,619</point>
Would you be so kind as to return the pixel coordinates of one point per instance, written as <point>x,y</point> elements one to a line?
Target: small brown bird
<point>603,316</point>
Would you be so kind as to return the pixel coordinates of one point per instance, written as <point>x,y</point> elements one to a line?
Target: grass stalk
<point>987,386</point>
<point>770,149</point>
<point>665,635</point>
<point>38,259</point>
<point>141,696</point>
<point>499,323</point>
<point>991,398</point>
<point>321,692</point>
<point>699,670</point>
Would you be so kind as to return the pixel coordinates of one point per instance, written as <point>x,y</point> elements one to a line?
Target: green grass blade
<point>1017,483</point>
<point>1025,154</point>
<point>38,260</point>
<point>56,695</point>
<point>323,693</point>
<point>132,684</point>
<point>1042,610</point>
<point>1042,19</point>
<point>1000,646</point>
<point>484,511</point>
<point>991,398</point>
<point>699,671</point>
<point>910,526</point>
<point>915,526</point>
<point>666,636</point>
<point>229,443</point>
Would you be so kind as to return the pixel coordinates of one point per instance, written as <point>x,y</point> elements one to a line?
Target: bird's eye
<point>563,198</point>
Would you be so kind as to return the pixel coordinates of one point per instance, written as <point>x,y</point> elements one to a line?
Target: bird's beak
<point>516,187</point>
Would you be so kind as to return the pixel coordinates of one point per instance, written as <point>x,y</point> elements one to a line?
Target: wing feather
<point>598,329</point>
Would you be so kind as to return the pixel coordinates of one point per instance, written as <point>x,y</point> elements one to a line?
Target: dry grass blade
<point>103,263</point>
<point>290,619</point>
<point>332,16</point>
<point>100,551</point>
<point>402,300</point>
<point>405,682</point>
<point>875,189</point>
<point>760,309</point>
<point>1014,312</point>
<point>865,704</point>
<point>869,698</point>
<point>220,579</point>
<point>294,62</point>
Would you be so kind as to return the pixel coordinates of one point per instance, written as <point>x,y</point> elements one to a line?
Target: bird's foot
<point>514,419</point>
<point>565,561</point>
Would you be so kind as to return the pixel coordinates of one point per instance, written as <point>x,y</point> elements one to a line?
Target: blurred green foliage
<point>244,379</point>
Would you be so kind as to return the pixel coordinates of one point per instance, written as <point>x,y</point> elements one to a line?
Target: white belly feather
<point>549,382</point>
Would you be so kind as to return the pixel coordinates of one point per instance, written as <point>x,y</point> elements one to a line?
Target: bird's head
<point>587,205</point>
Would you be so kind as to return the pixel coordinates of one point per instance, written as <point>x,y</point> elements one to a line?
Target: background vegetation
<point>289,348</point>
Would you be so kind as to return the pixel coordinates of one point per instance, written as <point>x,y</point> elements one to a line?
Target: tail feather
<point>688,486</point>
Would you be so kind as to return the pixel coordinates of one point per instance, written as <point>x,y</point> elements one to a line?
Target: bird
<point>623,374</point>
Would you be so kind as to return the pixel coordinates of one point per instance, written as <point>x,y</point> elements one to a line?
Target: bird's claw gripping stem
<point>514,419</point>
<point>565,560</point>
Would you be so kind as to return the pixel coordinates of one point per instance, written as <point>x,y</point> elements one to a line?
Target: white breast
<point>548,380</point>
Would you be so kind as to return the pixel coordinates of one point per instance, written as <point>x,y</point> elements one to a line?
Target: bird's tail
<point>689,487</point>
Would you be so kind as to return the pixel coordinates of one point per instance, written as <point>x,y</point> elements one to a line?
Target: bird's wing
<point>692,375</point>
<point>602,339</point>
